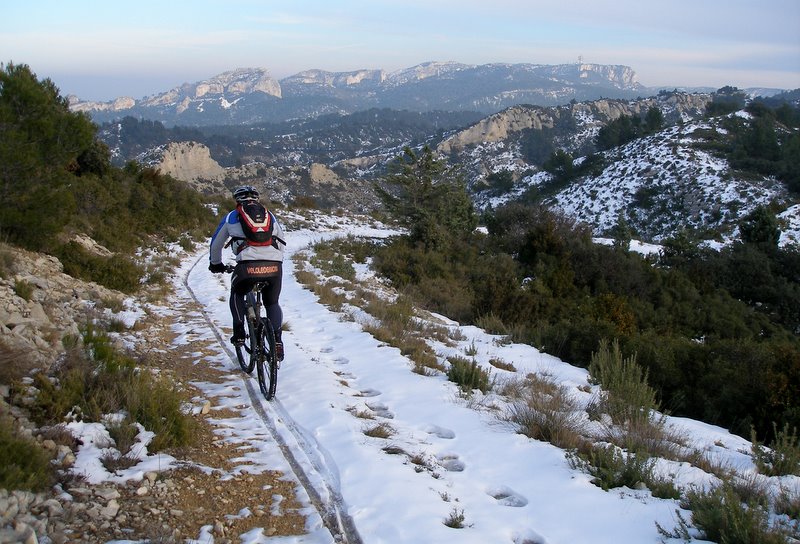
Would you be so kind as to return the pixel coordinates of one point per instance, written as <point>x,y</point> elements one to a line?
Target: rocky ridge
<point>251,95</point>
<point>592,115</point>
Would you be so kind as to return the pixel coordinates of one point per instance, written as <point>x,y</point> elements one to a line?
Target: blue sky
<point>100,50</point>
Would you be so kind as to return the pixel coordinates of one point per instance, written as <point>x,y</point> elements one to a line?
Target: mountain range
<point>251,95</point>
<point>316,133</point>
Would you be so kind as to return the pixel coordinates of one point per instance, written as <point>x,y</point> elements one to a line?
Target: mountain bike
<point>258,349</point>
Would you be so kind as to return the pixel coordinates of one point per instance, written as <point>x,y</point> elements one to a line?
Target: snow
<point>452,454</point>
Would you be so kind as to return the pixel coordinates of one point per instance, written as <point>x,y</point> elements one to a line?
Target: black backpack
<point>256,223</point>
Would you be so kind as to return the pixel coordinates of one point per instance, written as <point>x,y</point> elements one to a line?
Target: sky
<point>100,50</point>
<point>510,489</point>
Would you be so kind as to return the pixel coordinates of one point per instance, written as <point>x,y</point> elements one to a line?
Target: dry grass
<point>545,410</point>
<point>15,363</point>
<point>502,365</point>
<point>381,430</point>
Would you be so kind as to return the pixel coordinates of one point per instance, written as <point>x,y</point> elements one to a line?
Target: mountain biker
<point>256,261</point>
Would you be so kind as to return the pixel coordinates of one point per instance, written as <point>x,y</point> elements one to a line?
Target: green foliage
<point>762,145</point>
<point>23,462</point>
<point>468,374</point>
<point>721,516</point>
<point>627,396</point>
<point>115,272</point>
<point>618,132</point>
<point>726,100</point>
<point>500,182</point>
<point>431,199</point>
<point>712,330</point>
<point>627,128</point>
<point>612,468</point>
<point>653,120</point>
<point>97,379</point>
<point>537,146</point>
<point>784,455</point>
<point>23,289</point>
<point>760,227</point>
<point>56,179</point>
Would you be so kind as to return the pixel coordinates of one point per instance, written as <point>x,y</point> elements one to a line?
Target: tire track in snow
<point>328,500</point>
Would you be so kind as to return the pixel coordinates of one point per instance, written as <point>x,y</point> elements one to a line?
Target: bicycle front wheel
<point>267,363</point>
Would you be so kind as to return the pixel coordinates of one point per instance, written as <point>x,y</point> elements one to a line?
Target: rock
<point>190,161</point>
<point>53,508</point>
<point>111,509</point>
<point>206,408</point>
<point>107,494</point>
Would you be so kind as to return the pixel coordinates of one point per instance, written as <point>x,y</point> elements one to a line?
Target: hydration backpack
<point>256,223</point>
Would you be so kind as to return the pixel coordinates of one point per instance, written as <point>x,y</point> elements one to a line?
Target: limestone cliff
<point>502,125</point>
<point>191,162</point>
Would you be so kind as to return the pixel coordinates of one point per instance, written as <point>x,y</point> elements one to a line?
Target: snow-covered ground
<point>448,456</point>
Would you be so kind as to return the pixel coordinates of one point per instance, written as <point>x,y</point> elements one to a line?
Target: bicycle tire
<point>267,363</point>
<point>244,352</point>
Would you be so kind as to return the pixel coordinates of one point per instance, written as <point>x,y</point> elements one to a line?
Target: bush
<point>98,380</point>
<point>116,272</point>
<point>544,410</point>
<point>23,463</point>
<point>613,468</point>
<point>23,289</point>
<point>468,374</point>
<point>627,398</point>
<point>721,516</point>
<point>784,456</point>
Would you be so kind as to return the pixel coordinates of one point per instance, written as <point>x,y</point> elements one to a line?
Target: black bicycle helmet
<point>245,192</point>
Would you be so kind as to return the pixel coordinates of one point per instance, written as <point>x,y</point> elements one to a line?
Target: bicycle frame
<point>260,344</point>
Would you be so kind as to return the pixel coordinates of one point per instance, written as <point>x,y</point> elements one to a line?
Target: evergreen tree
<point>40,143</point>
<point>760,227</point>
<point>653,120</point>
<point>428,197</point>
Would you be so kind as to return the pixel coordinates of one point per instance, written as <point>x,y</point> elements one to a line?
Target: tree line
<point>56,180</point>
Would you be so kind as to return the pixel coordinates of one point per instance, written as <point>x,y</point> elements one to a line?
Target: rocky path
<point>217,489</point>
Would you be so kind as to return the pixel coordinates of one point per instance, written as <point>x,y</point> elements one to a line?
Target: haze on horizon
<point>104,50</point>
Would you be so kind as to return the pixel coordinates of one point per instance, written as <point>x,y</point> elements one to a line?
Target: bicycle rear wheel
<point>244,352</point>
<point>267,363</point>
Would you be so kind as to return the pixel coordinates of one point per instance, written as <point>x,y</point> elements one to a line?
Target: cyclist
<point>257,261</point>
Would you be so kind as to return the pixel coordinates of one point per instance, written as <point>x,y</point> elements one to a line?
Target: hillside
<point>672,179</point>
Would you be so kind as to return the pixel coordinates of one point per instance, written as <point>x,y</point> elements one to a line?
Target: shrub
<point>626,398</point>
<point>6,263</point>
<point>333,263</point>
<point>611,468</point>
<point>23,463</point>
<point>381,430</point>
<point>15,363</point>
<point>783,457</point>
<point>115,272</point>
<point>23,289</point>
<point>97,379</point>
<point>544,410</point>
<point>468,374</point>
<point>456,519</point>
<point>721,516</point>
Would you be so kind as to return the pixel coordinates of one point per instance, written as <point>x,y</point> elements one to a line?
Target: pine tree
<point>429,198</point>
